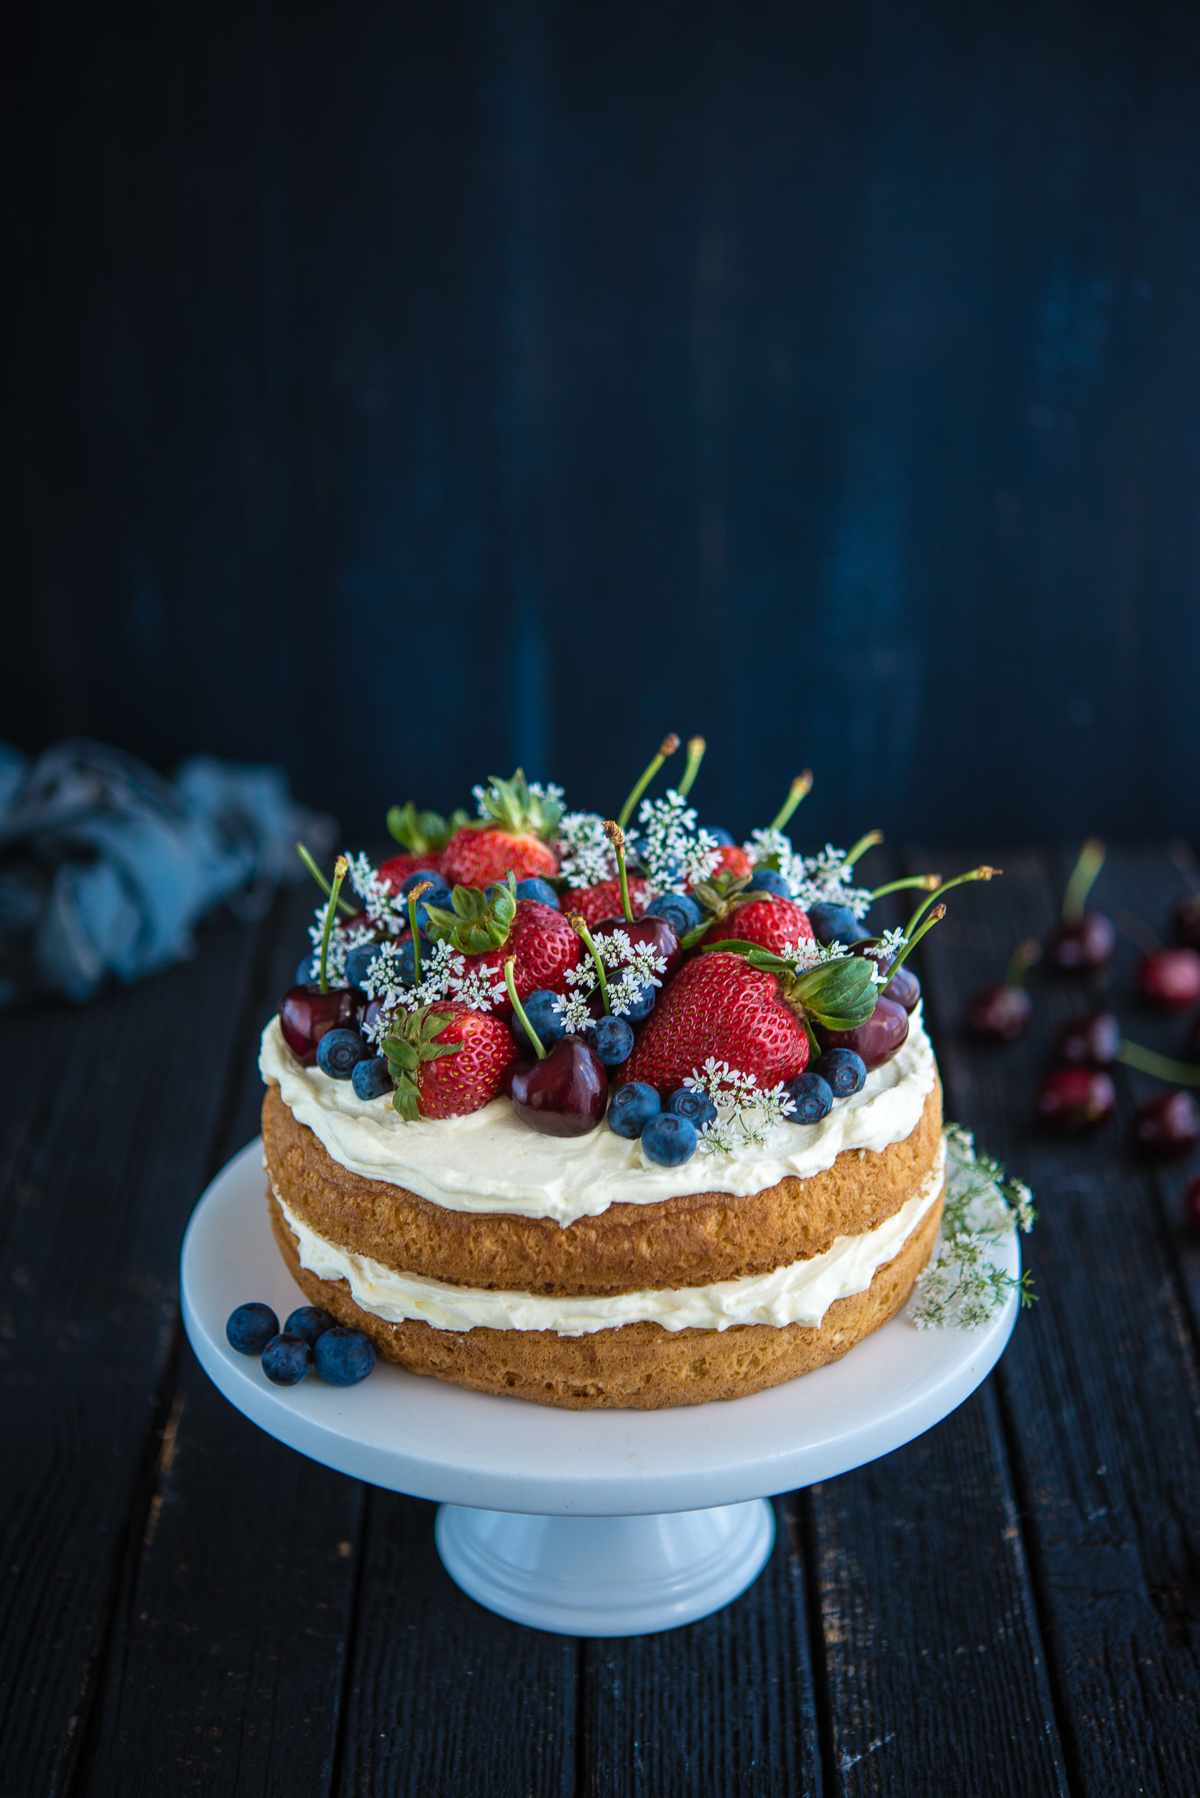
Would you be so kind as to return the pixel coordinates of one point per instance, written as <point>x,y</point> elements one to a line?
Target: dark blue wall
<point>405,391</point>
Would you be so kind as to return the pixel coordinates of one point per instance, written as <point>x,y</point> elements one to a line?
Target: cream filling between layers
<point>489,1161</point>
<point>800,1293</point>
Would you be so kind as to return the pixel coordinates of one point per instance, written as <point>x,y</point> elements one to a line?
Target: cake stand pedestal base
<point>606,1576</point>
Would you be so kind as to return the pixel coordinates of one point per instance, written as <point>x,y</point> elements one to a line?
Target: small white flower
<point>773,847</point>
<point>575,1013</point>
<point>825,879</point>
<point>586,856</point>
<point>675,854</point>
<point>382,905</point>
<point>964,1284</point>
<point>746,1112</point>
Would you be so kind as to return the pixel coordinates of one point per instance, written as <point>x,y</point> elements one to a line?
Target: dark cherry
<point>646,930</point>
<point>306,1013</point>
<point>1170,978</point>
<point>1090,1041</point>
<point>1086,943</point>
<point>1000,1013</point>
<point>1191,1204</point>
<point>1168,1124</point>
<point>877,1040</point>
<point>1185,921</point>
<point>1075,1099</point>
<point>565,1093</point>
<point>903,989</point>
<point>510,1074</point>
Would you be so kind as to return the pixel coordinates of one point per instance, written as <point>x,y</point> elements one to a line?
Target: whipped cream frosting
<point>797,1294</point>
<point>489,1161</point>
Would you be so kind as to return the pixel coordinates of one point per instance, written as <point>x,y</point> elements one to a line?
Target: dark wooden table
<point>1009,1605</point>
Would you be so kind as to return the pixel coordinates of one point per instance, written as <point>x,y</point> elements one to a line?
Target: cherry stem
<point>1139,933</point>
<point>1083,878</point>
<point>914,937</point>
<point>340,869</point>
<point>321,881</point>
<point>1023,957</point>
<point>863,844</point>
<point>980,873</point>
<point>422,887</point>
<point>1161,1066</point>
<point>800,788</point>
<point>581,930</point>
<point>696,747</point>
<point>530,1032</point>
<point>616,837</point>
<point>928,883</point>
<point>667,747</point>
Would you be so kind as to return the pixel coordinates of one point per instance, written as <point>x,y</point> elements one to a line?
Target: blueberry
<point>631,1108</point>
<point>813,1095</point>
<point>612,1039</point>
<point>719,836</point>
<point>358,962</point>
<point>406,963</point>
<point>836,924</point>
<point>309,1322</point>
<point>441,896</point>
<point>843,1069</point>
<point>250,1328</point>
<point>544,1013</point>
<point>370,1078</point>
<point>415,879</point>
<point>763,880</point>
<point>339,1052</point>
<point>306,970</point>
<point>343,1357</point>
<point>669,1140</point>
<point>286,1360</point>
<point>680,912</point>
<point>696,1107</point>
<point>539,890</point>
<point>643,1005</point>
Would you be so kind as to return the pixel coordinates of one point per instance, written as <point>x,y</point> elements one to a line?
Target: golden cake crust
<point>638,1366</point>
<point>693,1240</point>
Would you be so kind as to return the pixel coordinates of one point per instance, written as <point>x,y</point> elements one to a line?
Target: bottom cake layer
<point>639,1366</point>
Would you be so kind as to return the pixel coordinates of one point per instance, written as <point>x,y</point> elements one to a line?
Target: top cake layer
<point>489,1162</point>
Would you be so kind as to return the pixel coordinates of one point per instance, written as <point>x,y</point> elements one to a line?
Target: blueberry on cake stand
<point>587,1523</point>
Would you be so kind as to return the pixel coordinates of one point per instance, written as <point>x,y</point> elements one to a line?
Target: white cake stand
<point>587,1523</point>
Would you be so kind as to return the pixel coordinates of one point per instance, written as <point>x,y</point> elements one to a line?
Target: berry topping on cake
<point>772,923</point>
<point>718,1006</point>
<point>447,1060</point>
<point>603,900</point>
<point>516,823</point>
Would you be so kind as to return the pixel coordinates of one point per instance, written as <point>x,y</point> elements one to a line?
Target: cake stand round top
<point>414,1434</point>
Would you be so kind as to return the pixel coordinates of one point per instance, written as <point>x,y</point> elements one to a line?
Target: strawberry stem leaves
<point>411,1041</point>
<point>477,922</point>
<point>423,833</point>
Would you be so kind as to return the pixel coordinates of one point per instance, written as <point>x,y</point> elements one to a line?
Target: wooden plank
<point>444,1696</point>
<point>1099,1386</point>
<point>226,1665</point>
<point>934,1677</point>
<point>92,1223</point>
<point>724,1706</point>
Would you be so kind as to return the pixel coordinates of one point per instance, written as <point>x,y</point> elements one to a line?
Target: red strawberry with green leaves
<point>487,930</point>
<point>753,1017</point>
<point>512,837</point>
<point>604,899</point>
<point>774,924</point>
<point>447,1060</point>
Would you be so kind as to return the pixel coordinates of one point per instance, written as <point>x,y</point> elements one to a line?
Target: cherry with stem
<point>343,905</point>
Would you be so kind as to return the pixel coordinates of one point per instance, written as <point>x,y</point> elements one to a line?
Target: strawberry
<point>774,924</point>
<point>511,837</point>
<point>396,870</point>
<point>447,1060</point>
<point>733,861</point>
<point>604,899</point>
<point>544,947</point>
<point>720,1006</point>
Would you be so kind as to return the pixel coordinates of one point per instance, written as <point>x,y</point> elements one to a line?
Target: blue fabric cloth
<point>105,867</point>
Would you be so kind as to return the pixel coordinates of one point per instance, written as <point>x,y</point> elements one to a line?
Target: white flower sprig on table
<point>636,964</point>
<point>585,854</point>
<point>674,853</point>
<point>825,879</point>
<point>963,1284</point>
<point>746,1112</point>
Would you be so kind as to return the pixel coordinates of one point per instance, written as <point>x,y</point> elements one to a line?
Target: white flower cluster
<point>444,975</point>
<point>382,905</point>
<point>637,965</point>
<point>802,957</point>
<point>772,847</point>
<point>585,854</point>
<point>891,944</point>
<point>825,879</point>
<point>341,940</point>
<point>675,854</point>
<point>746,1112</point>
<point>964,1284</point>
